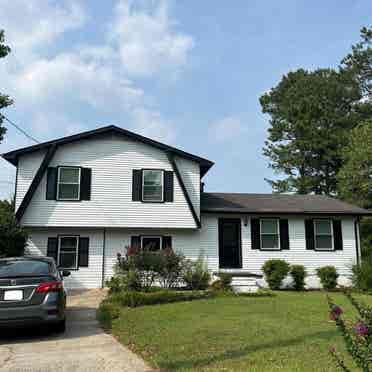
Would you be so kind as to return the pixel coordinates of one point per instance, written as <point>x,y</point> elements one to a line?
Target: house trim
<point>36,181</point>
<point>184,190</point>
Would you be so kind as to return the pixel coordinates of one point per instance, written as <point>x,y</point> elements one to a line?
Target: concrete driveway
<point>83,347</point>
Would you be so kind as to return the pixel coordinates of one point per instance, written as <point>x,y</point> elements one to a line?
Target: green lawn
<point>288,332</point>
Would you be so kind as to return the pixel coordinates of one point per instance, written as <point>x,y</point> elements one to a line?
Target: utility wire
<point>20,129</point>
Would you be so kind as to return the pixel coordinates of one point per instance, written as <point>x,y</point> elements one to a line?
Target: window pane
<point>68,191</point>
<point>68,242</point>
<point>67,175</point>
<point>269,226</point>
<point>25,267</point>
<point>323,242</point>
<point>270,242</point>
<point>151,244</point>
<point>67,260</point>
<point>153,178</point>
<point>323,227</point>
<point>152,193</point>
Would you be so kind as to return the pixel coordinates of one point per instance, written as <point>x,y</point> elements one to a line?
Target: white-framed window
<point>323,235</point>
<point>270,236</point>
<point>152,185</point>
<point>151,243</point>
<point>68,252</point>
<point>68,185</point>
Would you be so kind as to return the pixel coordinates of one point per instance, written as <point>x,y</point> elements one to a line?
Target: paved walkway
<point>83,347</point>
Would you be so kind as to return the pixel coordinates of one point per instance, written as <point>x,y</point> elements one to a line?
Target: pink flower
<point>361,329</point>
<point>336,311</point>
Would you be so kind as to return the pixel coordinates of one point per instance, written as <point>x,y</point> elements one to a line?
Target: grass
<point>288,332</point>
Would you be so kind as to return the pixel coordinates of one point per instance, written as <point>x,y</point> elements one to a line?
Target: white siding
<point>84,277</point>
<point>190,173</point>
<point>112,160</point>
<point>192,243</point>
<point>27,168</point>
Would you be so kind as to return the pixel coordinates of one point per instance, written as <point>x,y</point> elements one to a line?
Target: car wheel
<point>61,326</point>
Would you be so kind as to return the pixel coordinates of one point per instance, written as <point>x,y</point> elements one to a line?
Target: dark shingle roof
<point>277,203</point>
<point>13,156</point>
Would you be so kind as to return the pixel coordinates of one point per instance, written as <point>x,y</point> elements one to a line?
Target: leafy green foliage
<point>5,101</point>
<point>196,275</point>
<point>366,238</point>
<point>328,277</point>
<point>135,299</point>
<point>275,271</point>
<point>107,312</point>
<point>12,237</point>
<point>362,275</point>
<point>223,283</point>
<point>357,336</point>
<point>298,274</point>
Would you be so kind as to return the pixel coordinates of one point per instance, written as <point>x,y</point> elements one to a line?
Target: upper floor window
<point>68,185</point>
<point>270,238</point>
<point>323,231</point>
<point>152,185</point>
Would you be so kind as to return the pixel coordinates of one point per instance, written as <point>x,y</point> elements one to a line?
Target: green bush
<point>328,277</point>
<point>275,271</point>
<point>107,312</point>
<point>259,293</point>
<point>127,281</point>
<point>171,268</point>
<point>362,275</point>
<point>196,275</point>
<point>135,299</point>
<point>298,274</point>
<point>223,283</point>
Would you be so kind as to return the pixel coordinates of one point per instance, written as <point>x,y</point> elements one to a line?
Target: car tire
<point>61,326</point>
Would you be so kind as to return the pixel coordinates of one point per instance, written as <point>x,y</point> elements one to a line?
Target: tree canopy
<point>5,100</point>
<point>311,116</point>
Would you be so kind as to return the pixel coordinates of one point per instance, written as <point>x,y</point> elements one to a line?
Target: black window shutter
<point>168,186</point>
<point>255,233</point>
<point>135,242</point>
<point>52,249</point>
<point>137,185</point>
<point>51,185</point>
<point>85,183</point>
<point>83,252</point>
<point>309,233</point>
<point>284,234</point>
<point>167,242</point>
<point>337,235</point>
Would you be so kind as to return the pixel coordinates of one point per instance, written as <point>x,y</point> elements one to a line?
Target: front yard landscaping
<point>290,331</point>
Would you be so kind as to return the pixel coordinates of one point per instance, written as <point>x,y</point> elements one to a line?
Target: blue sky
<point>188,73</point>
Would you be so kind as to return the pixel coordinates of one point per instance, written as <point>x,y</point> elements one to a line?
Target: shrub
<point>223,283</point>
<point>171,268</point>
<point>298,274</point>
<point>357,335</point>
<point>259,293</point>
<point>196,274</point>
<point>362,275</point>
<point>328,277</point>
<point>107,312</point>
<point>275,271</point>
<point>135,299</point>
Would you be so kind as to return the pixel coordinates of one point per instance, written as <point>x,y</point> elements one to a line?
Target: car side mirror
<point>65,273</point>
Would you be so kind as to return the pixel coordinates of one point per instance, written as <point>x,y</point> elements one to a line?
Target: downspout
<point>103,257</point>
<point>357,240</point>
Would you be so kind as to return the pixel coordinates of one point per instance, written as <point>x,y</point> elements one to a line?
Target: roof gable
<point>13,156</point>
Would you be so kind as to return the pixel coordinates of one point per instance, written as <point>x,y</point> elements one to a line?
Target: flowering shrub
<point>362,275</point>
<point>328,277</point>
<point>357,336</point>
<point>275,271</point>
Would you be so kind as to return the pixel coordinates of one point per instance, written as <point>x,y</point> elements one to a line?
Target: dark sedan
<point>32,292</point>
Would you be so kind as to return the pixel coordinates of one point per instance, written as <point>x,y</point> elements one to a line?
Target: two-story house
<point>85,197</point>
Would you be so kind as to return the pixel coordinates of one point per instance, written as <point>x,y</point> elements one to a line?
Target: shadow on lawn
<point>235,354</point>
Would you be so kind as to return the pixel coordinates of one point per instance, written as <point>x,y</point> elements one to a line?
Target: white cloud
<point>226,129</point>
<point>146,38</point>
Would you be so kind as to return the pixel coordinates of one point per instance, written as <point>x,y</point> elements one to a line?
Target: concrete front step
<point>244,284</point>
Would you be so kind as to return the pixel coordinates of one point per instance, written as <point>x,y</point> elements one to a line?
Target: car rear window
<point>9,268</point>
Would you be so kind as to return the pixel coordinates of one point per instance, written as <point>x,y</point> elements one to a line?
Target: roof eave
<point>326,213</point>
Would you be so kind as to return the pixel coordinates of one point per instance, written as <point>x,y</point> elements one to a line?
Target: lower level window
<point>323,234</point>
<point>270,234</point>
<point>151,243</point>
<point>68,247</point>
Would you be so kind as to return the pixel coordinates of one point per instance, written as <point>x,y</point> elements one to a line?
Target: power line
<point>20,129</point>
